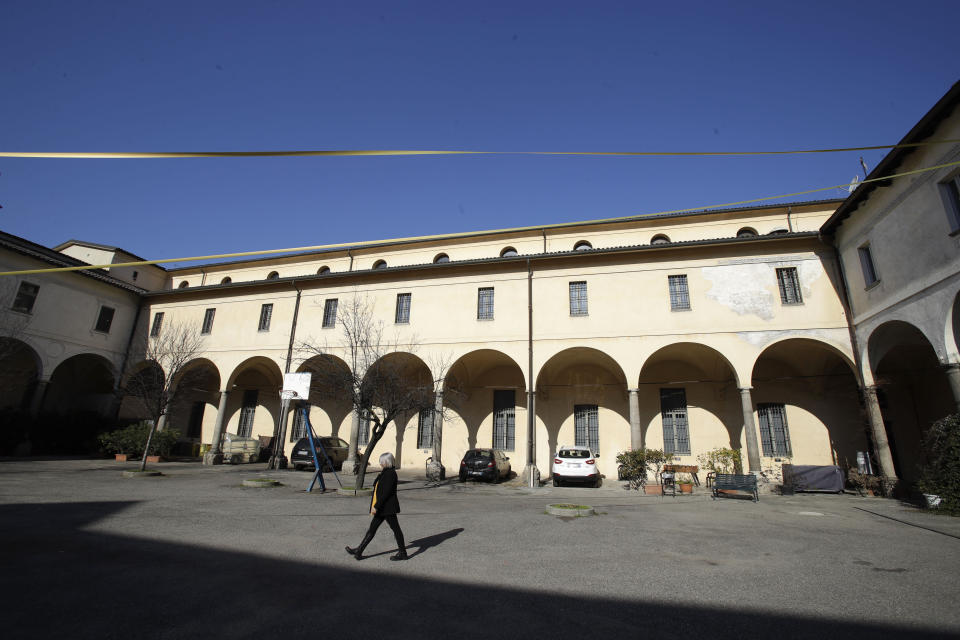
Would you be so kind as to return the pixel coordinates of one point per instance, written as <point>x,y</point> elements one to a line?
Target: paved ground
<point>86,552</point>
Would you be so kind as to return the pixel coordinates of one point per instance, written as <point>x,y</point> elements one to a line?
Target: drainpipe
<point>544,232</point>
<point>279,460</point>
<point>789,223</point>
<point>203,277</point>
<point>350,253</point>
<point>126,359</point>
<point>531,418</point>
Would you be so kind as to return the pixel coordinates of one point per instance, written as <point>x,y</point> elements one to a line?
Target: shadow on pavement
<point>58,579</point>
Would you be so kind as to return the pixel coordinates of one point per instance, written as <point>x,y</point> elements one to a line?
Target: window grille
<point>774,435</point>
<point>425,429</point>
<point>403,308</point>
<point>789,285</point>
<point>586,426</point>
<point>679,294</point>
<point>578,298</point>
<point>157,324</point>
<point>104,320</point>
<point>363,435</point>
<point>504,419</point>
<point>866,263</point>
<point>247,411</point>
<point>26,296</point>
<point>208,321</point>
<point>266,312</point>
<point>485,303</point>
<point>676,429</point>
<point>299,429</point>
<point>330,313</point>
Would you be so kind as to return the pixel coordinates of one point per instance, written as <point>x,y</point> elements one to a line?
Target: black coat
<point>384,498</point>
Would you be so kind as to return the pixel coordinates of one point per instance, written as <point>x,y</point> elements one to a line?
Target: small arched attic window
<point>184,285</point>
<point>508,252</point>
<point>660,239</point>
<point>777,232</point>
<point>380,264</point>
<point>273,275</point>
<point>226,280</point>
<point>441,258</point>
<point>747,232</point>
<point>583,245</point>
<point>324,270</point>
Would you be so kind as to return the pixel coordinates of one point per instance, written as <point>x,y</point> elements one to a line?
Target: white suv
<point>575,464</point>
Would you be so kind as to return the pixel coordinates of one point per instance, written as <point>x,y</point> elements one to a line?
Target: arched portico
<point>20,369</point>
<point>484,396</point>
<point>690,402</point>
<point>581,398</point>
<point>253,405</point>
<point>330,403</point>
<point>807,404</point>
<point>912,389</point>
<point>196,396</point>
<point>80,396</point>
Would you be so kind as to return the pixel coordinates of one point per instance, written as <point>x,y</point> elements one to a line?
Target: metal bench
<point>735,482</point>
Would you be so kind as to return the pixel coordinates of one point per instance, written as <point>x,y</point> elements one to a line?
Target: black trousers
<point>391,519</point>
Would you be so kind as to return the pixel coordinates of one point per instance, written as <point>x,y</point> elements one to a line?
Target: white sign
<point>296,386</point>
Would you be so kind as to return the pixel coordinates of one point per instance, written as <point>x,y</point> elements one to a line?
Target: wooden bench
<point>724,482</point>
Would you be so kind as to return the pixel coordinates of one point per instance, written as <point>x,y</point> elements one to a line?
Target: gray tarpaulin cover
<point>804,477</point>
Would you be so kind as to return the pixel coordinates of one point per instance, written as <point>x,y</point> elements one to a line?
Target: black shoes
<point>356,553</point>
<point>400,555</point>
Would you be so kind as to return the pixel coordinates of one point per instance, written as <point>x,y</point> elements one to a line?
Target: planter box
<point>120,457</point>
<point>154,458</point>
<point>653,489</point>
<point>686,488</point>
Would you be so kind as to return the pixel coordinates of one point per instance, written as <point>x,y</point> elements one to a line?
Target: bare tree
<point>380,381</point>
<point>160,371</point>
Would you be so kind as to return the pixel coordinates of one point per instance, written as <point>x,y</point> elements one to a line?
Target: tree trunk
<point>378,431</point>
<point>146,449</point>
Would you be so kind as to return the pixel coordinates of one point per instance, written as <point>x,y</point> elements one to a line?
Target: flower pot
<point>931,500</point>
<point>653,489</point>
<point>121,457</point>
<point>686,488</point>
<point>153,458</point>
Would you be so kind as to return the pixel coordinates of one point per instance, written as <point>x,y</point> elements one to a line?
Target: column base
<point>210,459</point>
<point>528,471</point>
<point>277,462</point>
<point>436,470</point>
<point>349,468</point>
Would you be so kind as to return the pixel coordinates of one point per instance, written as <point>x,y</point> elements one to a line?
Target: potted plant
<point>685,482</point>
<point>632,466</point>
<point>657,458</point>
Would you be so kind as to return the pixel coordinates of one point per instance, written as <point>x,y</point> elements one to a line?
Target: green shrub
<point>940,471</point>
<point>721,460</point>
<point>633,465</point>
<point>132,440</point>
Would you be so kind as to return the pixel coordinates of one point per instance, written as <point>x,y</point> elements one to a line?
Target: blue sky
<point>508,76</point>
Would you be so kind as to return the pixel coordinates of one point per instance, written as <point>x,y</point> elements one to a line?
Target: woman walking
<point>383,506</point>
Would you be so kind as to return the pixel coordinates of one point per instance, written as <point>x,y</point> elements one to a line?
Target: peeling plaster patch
<point>763,338</point>
<point>740,288</point>
<point>808,271</point>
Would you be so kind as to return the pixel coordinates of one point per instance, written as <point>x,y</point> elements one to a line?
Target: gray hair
<point>387,460</point>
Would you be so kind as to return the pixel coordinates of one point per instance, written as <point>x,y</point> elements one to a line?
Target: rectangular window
<point>363,437</point>
<point>157,324</point>
<point>425,429</point>
<point>676,429</point>
<point>679,294</point>
<point>950,192</point>
<point>104,320</point>
<point>485,303</point>
<point>26,296</point>
<point>578,298</point>
<point>586,426</point>
<point>866,263</point>
<point>504,422</point>
<point>403,308</point>
<point>266,312</point>
<point>789,285</point>
<point>299,429</point>
<point>208,321</point>
<point>774,435</point>
<point>195,426</point>
<point>329,313</point>
<point>247,411</point>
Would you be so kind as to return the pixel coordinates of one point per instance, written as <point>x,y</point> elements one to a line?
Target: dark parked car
<point>301,457</point>
<point>486,464</point>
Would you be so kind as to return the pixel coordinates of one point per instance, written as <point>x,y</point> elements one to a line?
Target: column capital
<point>745,389</point>
<point>951,366</point>
<point>634,390</point>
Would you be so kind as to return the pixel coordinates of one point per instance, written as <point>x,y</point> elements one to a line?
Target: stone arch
<point>700,386</point>
<point>331,404</point>
<point>813,385</point>
<point>81,396</point>
<point>584,377</point>
<point>473,386</point>
<point>952,330</point>
<point>254,402</point>
<point>20,370</point>
<point>912,389</point>
<point>196,399</point>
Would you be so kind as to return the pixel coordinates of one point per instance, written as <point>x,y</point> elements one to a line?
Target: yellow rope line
<point>446,236</point>
<point>429,152</point>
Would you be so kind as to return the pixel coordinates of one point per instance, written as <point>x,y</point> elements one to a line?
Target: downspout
<point>203,278</point>
<point>350,253</point>
<point>544,232</point>
<point>789,222</point>
<point>279,460</point>
<point>531,422</point>
<point>126,358</point>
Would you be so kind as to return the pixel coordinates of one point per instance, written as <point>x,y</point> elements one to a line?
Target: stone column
<point>438,435</point>
<point>213,456</point>
<point>953,376</point>
<point>349,467</point>
<point>636,435</point>
<point>750,430</point>
<point>531,474</point>
<point>36,401</point>
<point>879,433</point>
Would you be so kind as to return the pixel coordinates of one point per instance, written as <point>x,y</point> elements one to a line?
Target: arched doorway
<point>582,399</point>
<point>485,397</point>
<point>912,390</point>
<point>330,403</point>
<point>196,397</point>
<point>253,405</point>
<point>689,402</point>
<point>20,369</point>
<point>808,405</point>
<point>77,405</point>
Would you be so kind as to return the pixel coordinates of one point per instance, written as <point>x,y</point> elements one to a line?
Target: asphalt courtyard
<point>88,553</point>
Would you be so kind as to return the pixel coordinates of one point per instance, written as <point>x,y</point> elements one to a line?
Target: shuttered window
<point>866,264</point>
<point>504,426</point>
<point>676,429</point>
<point>266,312</point>
<point>157,324</point>
<point>105,319</point>
<point>247,412</point>
<point>578,298</point>
<point>679,295</point>
<point>330,313</point>
<point>403,308</point>
<point>586,426</point>
<point>208,321</point>
<point>774,436</point>
<point>789,285</point>
<point>26,296</point>
<point>425,429</point>
<point>485,303</point>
